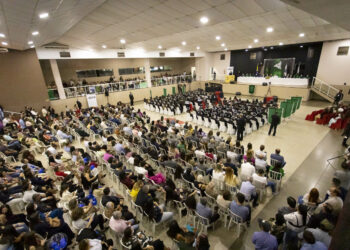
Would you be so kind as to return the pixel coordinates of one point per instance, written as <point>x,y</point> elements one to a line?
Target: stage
<point>275,81</point>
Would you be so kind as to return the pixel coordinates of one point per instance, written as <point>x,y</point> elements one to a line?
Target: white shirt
<point>52,150</point>
<point>199,153</point>
<point>95,244</point>
<point>259,178</point>
<point>44,112</point>
<point>259,152</point>
<point>260,164</point>
<point>28,196</point>
<point>231,155</point>
<point>140,170</point>
<point>294,221</point>
<point>335,202</point>
<point>247,169</point>
<point>220,176</point>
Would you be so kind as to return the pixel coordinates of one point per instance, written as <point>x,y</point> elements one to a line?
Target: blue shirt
<point>264,241</point>
<point>203,211</point>
<point>248,189</point>
<point>239,210</point>
<point>316,246</point>
<point>279,158</point>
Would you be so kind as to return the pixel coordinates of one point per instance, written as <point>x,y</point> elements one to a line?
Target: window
<point>252,56</point>
<point>131,71</point>
<point>94,73</point>
<point>222,57</point>
<point>343,51</point>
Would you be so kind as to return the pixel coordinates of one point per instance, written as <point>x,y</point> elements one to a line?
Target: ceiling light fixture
<point>250,46</point>
<point>218,38</point>
<point>30,42</point>
<point>204,20</point>
<point>32,46</point>
<point>35,33</point>
<point>2,35</point>
<point>160,47</point>
<point>122,41</point>
<point>223,45</point>
<point>44,15</point>
<point>301,35</point>
<point>256,40</point>
<point>280,44</point>
<point>198,47</point>
<point>4,43</point>
<point>225,49</point>
<point>301,46</point>
<point>104,46</point>
<point>271,47</point>
<point>183,43</point>
<point>246,50</point>
<point>269,29</point>
<point>265,49</point>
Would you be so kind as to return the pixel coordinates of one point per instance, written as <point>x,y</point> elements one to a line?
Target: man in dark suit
<point>275,120</point>
<point>240,128</point>
<point>79,104</point>
<point>131,96</point>
<point>338,97</point>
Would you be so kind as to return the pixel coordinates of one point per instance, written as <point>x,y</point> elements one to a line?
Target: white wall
<point>44,53</point>
<point>220,66</point>
<point>212,60</point>
<point>334,69</point>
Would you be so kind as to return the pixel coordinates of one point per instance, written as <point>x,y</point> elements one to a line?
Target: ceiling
<point>89,24</point>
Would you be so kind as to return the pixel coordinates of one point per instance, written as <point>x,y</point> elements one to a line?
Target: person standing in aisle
<point>240,128</point>
<point>275,120</point>
<point>131,96</point>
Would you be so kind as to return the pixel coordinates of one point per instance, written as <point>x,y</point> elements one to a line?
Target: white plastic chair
<point>206,122</point>
<point>236,219</point>
<point>213,124</point>
<point>222,126</point>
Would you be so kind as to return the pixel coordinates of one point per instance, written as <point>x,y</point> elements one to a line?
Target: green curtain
<point>297,100</point>
<point>272,111</point>
<point>174,90</point>
<point>288,110</point>
<point>164,92</point>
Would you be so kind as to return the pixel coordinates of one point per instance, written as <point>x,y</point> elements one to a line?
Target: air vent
<point>64,54</point>
<point>55,46</point>
<point>191,53</point>
<point>121,54</point>
<point>162,54</point>
<point>3,50</point>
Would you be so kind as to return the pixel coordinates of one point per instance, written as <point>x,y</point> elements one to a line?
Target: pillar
<point>148,72</point>
<point>57,77</point>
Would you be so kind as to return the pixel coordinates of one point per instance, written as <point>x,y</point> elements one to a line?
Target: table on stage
<point>275,81</point>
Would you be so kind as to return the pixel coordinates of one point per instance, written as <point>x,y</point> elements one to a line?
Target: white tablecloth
<point>275,81</point>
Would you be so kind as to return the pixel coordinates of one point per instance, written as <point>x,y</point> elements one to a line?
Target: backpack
<point>57,241</point>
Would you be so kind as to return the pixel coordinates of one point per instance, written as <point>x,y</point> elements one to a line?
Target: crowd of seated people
<point>225,115</point>
<point>306,222</point>
<point>333,117</point>
<point>155,163</point>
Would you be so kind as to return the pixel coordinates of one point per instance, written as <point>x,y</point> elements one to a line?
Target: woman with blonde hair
<point>135,189</point>
<point>230,178</point>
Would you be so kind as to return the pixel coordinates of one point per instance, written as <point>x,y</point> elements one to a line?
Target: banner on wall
<point>281,67</point>
<point>230,70</point>
<point>92,100</point>
<point>229,78</point>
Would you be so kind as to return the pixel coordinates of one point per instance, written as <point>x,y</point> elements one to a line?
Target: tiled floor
<point>305,146</point>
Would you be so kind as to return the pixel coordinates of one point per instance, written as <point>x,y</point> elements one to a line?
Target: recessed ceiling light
<point>280,44</point>
<point>301,35</point>
<point>250,46</point>
<point>256,40</point>
<point>44,15</point>
<point>160,47</point>
<point>122,41</point>
<point>246,50</point>
<point>301,46</point>
<point>225,49</point>
<point>2,35</point>
<point>183,43</point>
<point>35,33</point>
<point>265,49</point>
<point>271,47</point>
<point>32,46</point>
<point>204,19</point>
<point>223,45</point>
<point>4,43</point>
<point>198,47</point>
<point>269,29</point>
<point>104,46</point>
<point>218,37</point>
<point>30,42</point>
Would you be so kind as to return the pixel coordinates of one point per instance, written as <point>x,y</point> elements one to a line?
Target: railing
<point>77,91</point>
<point>324,87</point>
<point>333,164</point>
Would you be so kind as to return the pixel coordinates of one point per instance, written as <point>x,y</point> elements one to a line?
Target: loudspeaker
<point>238,93</point>
<point>264,84</point>
<point>106,92</point>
